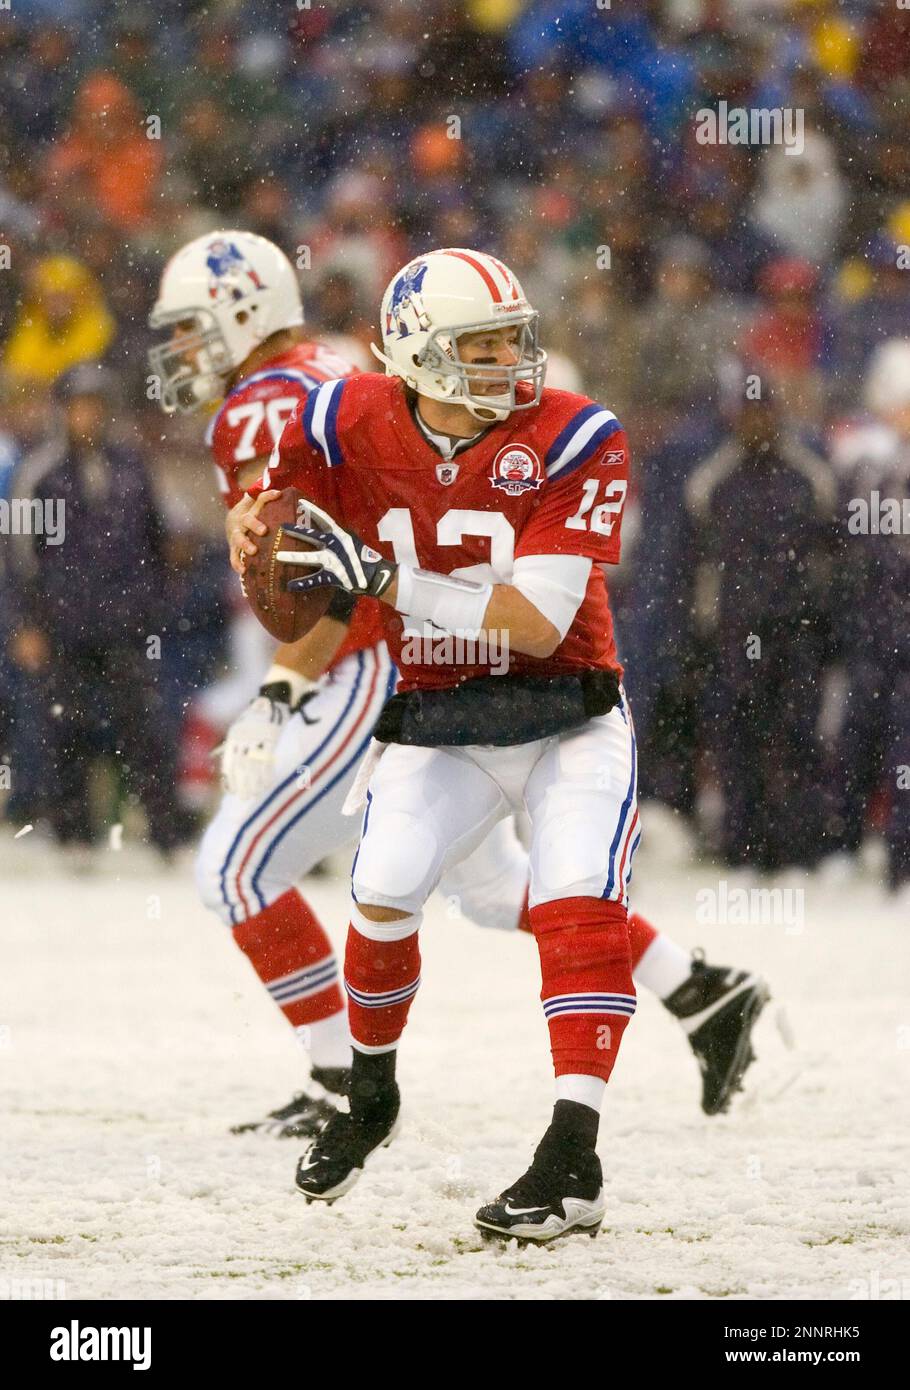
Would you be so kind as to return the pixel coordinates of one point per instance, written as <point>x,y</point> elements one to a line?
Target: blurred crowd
<point>745,310</point>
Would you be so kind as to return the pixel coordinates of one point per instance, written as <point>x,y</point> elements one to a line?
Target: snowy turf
<point>132,1034</point>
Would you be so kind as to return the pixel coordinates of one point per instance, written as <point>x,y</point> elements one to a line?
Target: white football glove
<point>342,560</point>
<point>248,754</point>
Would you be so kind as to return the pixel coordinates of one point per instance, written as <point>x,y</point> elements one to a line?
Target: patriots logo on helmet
<point>516,469</point>
<point>226,262</point>
<point>405,288</point>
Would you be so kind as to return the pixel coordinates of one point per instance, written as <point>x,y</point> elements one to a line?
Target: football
<point>286,616</point>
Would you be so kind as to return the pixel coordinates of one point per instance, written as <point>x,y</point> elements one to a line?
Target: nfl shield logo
<point>447,473</point>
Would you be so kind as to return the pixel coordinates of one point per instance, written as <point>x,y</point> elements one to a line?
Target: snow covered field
<point>132,1034</point>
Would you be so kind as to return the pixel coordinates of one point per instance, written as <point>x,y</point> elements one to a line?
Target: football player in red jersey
<point>230,304</point>
<point>478,507</point>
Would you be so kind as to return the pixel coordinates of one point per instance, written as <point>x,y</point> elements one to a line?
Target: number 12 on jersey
<point>603,517</point>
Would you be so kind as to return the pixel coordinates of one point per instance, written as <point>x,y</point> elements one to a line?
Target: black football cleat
<point>561,1192</point>
<point>335,1159</point>
<point>307,1112</point>
<point>718,1007</point>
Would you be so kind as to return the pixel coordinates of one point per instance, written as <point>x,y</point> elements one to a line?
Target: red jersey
<point>551,480</point>
<point>249,425</point>
<point>256,410</point>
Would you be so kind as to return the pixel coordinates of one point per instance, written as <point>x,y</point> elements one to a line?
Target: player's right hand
<point>344,561</point>
<point>242,521</point>
<point>248,754</point>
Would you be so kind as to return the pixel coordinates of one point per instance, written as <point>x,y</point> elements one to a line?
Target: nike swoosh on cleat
<point>521,1211</point>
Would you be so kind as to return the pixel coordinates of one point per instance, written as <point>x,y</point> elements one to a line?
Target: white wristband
<point>456,605</point>
<point>300,685</point>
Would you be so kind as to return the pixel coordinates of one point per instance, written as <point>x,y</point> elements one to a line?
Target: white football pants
<point>428,809</point>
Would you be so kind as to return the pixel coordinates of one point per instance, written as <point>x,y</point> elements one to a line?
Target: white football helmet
<point>435,299</point>
<point>222,294</point>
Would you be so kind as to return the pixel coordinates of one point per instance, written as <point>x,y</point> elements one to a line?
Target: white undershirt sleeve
<point>555,584</point>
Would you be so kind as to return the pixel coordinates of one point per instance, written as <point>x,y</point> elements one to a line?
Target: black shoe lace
<point>334,1135</point>
<point>535,1187</point>
<point>532,1190</point>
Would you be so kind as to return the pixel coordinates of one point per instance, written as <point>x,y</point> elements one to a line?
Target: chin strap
<point>487,414</point>
<point>390,366</point>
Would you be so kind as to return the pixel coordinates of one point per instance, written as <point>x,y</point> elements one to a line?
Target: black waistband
<point>497,710</point>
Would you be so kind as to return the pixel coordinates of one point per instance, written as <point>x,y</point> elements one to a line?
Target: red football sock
<point>293,958</point>
<point>381,979</point>
<point>641,934</point>
<point>587,994</point>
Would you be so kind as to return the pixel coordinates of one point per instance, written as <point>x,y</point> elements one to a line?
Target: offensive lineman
<point>231,303</point>
<point>511,495</point>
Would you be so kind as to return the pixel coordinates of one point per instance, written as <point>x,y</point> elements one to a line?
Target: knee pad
<point>397,862</point>
<point>571,855</point>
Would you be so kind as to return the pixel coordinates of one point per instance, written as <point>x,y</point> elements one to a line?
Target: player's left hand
<point>341,558</point>
<point>248,754</point>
